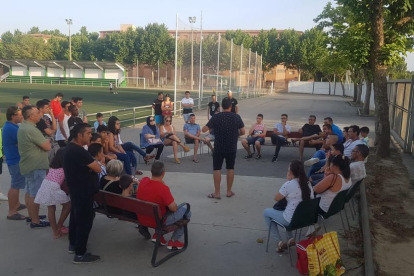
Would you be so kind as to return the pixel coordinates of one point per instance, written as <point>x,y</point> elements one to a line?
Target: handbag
<point>154,141</point>
<point>280,205</point>
<point>302,260</point>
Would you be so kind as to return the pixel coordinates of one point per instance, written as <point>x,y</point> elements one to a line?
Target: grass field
<point>95,99</point>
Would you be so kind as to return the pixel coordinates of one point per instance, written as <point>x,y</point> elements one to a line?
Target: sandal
<point>138,172</point>
<point>21,207</point>
<point>230,195</point>
<point>186,148</point>
<point>195,160</point>
<point>177,161</point>
<point>281,246</point>
<point>258,156</point>
<point>248,156</point>
<point>16,216</point>
<point>291,242</point>
<point>64,230</point>
<point>212,195</point>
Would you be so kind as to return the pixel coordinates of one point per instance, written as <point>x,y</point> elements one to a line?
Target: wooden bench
<point>290,143</point>
<point>106,199</point>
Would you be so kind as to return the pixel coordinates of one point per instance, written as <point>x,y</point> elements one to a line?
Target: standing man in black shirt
<point>309,131</point>
<point>213,107</point>
<point>234,103</point>
<point>81,172</point>
<point>227,126</point>
<point>157,109</point>
<point>74,119</point>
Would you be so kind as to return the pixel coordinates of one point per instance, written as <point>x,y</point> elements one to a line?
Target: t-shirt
<point>73,121</point>
<point>44,123</point>
<point>226,127</point>
<point>279,128</point>
<point>187,110</point>
<point>309,130</point>
<point>258,129</point>
<point>96,124</point>
<point>358,171</point>
<point>32,156</point>
<point>112,188</point>
<point>233,105</point>
<point>350,145</point>
<point>155,192</point>
<point>83,183</point>
<point>293,194</point>
<point>56,175</point>
<point>336,130</point>
<point>157,106</point>
<point>365,141</point>
<point>56,107</point>
<point>82,114</point>
<point>193,129</point>
<point>9,134</point>
<point>214,107</point>
<point>64,119</point>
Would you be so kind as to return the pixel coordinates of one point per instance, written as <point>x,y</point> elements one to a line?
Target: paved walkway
<point>223,233</point>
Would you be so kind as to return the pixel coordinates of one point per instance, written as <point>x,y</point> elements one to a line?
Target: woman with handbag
<point>151,136</point>
<point>169,136</point>
<point>338,180</point>
<point>294,191</point>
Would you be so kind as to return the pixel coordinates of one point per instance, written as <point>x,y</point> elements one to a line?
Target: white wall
<point>19,71</point>
<point>114,74</point>
<point>93,73</point>
<point>322,88</point>
<point>37,71</point>
<point>54,72</point>
<point>74,73</point>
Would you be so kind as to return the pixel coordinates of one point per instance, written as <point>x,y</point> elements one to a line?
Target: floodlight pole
<point>241,67</point>
<point>69,22</point>
<point>231,60</point>
<point>200,95</point>
<point>218,63</point>
<point>175,65</point>
<point>248,74</point>
<point>192,20</point>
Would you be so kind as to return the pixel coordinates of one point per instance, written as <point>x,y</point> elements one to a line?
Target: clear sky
<point>109,14</point>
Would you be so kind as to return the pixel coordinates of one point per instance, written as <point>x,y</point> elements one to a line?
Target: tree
<point>261,46</point>
<point>239,37</point>
<point>34,30</point>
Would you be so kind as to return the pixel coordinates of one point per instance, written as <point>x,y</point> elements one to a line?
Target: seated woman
<point>169,136</point>
<point>338,180</point>
<point>103,132</point>
<point>118,147</point>
<point>151,138</point>
<point>110,182</point>
<point>295,190</point>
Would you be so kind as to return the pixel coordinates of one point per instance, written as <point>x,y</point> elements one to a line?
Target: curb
<point>366,233</point>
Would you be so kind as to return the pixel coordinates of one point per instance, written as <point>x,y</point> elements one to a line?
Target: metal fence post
<point>231,60</point>
<point>133,112</point>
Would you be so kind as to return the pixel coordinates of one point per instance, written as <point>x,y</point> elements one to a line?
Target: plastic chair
<point>306,214</point>
<point>336,207</point>
<point>351,192</point>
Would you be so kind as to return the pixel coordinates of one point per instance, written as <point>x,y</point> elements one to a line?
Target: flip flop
<point>213,196</point>
<point>232,194</point>
<point>138,172</point>
<point>195,160</point>
<point>16,216</point>
<point>21,207</point>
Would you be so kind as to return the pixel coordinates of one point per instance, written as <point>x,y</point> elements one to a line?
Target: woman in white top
<point>339,179</point>
<point>295,190</point>
<point>169,136</point>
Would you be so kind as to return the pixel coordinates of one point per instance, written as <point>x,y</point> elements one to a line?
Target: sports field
<point>95,99</point>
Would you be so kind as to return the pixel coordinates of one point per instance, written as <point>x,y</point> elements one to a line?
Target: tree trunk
<point>359,94</point>
<point>355,91</point>
<point>343,88</point>
<point>367,97</point>
<point>299,74</point>
<point>379,72</point>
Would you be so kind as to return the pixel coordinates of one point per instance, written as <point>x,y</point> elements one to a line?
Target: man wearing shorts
<point>228,126</point>
<point>192,133</point>
<point>34,162</point>
<point>9,134</point>
<point>257,137</point>
<point>157,109</point>
<point>187,103</point>
<point>309,131</point>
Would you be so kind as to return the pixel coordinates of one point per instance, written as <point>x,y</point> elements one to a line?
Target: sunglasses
<point>151,120</point>
<point>168,120</point>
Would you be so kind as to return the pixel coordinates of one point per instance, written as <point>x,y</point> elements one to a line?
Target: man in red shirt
<point>55,104</point>
<point>156,191</point>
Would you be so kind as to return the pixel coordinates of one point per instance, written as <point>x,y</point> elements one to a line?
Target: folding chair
<point>336,207</point>
<point>349,196</point>
<point>306,214</point>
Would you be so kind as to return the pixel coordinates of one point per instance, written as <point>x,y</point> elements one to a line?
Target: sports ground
<point>95,99</point>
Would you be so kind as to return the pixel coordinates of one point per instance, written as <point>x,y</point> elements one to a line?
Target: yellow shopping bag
<point>324,256</point>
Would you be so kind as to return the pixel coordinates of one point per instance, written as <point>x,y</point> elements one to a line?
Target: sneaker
<point>41,224</point>
<point>85,259</point>
<point>71,249</point>
<point>3,197</point>
<point>40,217</point>
<point>144,231</point>
<point>162,240</point>
<point>311,161</point>
<point>312,230</point>
<point>175,245</point>
<point>274,159</point>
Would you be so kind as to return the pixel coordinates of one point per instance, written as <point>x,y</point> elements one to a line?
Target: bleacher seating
<point>60,81</point>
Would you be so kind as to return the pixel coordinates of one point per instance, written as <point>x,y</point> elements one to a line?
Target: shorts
<point>187,116</point>
<point>252,140</point>
<point>219,157</point>
<point>189,140</point>
<point>17,179</point>
<point>159,119</point>
<point>34,180</point>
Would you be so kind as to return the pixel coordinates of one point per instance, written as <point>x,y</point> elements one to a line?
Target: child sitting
<point>99,121</point>
<point>96,151</point>
<point>364,135</point>
<point>51,194</point>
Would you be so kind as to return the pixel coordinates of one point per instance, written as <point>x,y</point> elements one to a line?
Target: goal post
<point>136,82</point>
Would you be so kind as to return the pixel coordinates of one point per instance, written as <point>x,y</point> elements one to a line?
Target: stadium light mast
<point>192,20</point>
<point>69,22</point>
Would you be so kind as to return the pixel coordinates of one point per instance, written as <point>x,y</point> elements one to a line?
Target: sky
<point>109,14</point>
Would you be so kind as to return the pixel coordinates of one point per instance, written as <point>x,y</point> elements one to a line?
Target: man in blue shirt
<point>335,129</point>
<point>9,134</point>
<point>192,133</point>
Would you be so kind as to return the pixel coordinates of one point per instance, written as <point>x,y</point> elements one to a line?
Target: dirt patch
<point>390,198</point>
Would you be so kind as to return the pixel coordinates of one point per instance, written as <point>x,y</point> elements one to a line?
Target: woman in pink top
<point>52,194</point>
